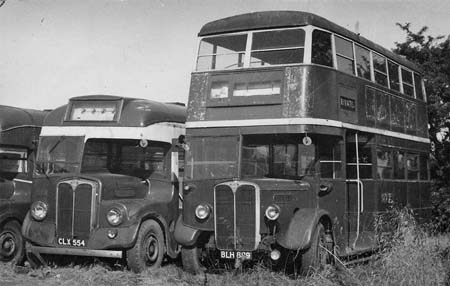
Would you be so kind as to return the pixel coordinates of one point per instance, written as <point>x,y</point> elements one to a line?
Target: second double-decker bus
<point>19,133</point>
<point>106,182</point>
<point>301,133</point>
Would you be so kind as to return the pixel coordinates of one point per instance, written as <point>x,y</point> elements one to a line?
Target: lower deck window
<point>384,164</point>
<point>363,161</point>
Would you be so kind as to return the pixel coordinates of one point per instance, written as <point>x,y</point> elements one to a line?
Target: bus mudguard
<point>184,234</point>
<point>298,231</point>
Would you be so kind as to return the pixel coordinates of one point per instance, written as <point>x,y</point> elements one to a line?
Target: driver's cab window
<point>13,162</point>
<point>277,156</point>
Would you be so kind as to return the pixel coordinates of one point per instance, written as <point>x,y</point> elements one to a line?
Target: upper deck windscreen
<point>265,48</point>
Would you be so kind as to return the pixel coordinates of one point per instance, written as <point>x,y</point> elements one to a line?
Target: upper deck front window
<point>277,47</point>
<point>222,52</point>
<point>265,48</point>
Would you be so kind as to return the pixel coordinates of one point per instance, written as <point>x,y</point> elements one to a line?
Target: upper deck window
<point>407,81</point>
<point>277,47</point>
<point>362,62</point>
<point>344,55</point>
<point>222,52</point>
<point>394,79</point>
<point>418,87</point>
<point>321,52</point>
<point>379,69</point>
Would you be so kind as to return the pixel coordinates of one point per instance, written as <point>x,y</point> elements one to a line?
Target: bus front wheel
<point>11,243</point>
<point>148,251</point>
<point>320,253</point>
<point>191,259</point>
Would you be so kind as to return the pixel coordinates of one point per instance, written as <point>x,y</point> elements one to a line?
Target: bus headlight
<point>202,211</point>
<point>39,210</point>
<point>114,216</point>
<point>273,212</point>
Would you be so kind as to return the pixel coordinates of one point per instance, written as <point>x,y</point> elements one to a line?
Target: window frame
<point>337,55</point>
<point>411,85</point>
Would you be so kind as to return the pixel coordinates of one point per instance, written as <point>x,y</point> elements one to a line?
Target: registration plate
<point>231,254</point>
<point>71,242</point>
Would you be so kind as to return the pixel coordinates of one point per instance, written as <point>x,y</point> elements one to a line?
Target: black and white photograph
<point>211,142</point>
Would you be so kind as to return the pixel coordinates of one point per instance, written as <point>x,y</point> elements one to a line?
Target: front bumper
<point>38,250</point>
<point>42,238</point>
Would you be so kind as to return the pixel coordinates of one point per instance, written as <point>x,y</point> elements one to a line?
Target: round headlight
<point>39,210</point>
<point>273,212</point>
<point>202,211</point>
<point>114,216</point>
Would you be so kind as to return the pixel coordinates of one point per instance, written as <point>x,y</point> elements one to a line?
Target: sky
<point>52,50</point>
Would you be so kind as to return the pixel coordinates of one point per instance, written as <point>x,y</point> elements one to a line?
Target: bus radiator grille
<point>235,217</point>
<point>74,209</point>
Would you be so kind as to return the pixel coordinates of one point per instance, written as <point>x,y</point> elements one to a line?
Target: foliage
<point>432,54</point>
<point>410,257</point>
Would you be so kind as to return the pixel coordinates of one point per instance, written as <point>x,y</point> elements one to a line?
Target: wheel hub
<point>151,250</point>
<point>7,244</point>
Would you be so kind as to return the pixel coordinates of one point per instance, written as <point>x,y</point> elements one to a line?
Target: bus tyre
<point>190,257</point>
<point>11,243</point>
<point>148,251</point>
<point>319,253</point>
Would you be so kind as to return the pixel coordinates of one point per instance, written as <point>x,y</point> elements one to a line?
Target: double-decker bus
<point>301,133</point>
<point>19,132</point>
<point>106,182</point>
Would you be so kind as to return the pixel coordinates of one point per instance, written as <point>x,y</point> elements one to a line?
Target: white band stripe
<point>164,131</point>
<point>301,121</point>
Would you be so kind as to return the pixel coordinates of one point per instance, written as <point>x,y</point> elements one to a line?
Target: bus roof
<point>134,112</point>
<point>14,117</point>
<point>286,19</point>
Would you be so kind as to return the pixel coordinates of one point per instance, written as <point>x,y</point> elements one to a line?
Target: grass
<point>410,257</point>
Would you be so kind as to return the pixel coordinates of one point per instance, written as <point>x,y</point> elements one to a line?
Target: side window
<point>412,166</point>
<point>329,154</point>
<point>321,53</point>
<point>379,69</point>
<point>362,62</point>
<point>365,161</point>
<point>384,164</point>
<point>344,55</point>
<point>399,165</point>
<point>13,162</point>
<point>407,81</point>
<point>418,87</point>
<point>394,79</point>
